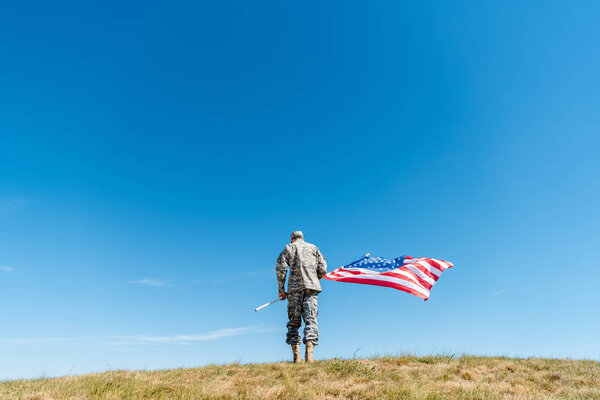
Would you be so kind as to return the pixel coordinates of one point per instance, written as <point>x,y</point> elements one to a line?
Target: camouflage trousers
<point>302,305</point>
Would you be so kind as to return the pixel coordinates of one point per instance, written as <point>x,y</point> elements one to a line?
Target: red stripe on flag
<point>398,276</point>
<point>440,264</point>
<point>336,275</point>
<point>416,280</point>
<point>422,269</point>
<point>386,284</point>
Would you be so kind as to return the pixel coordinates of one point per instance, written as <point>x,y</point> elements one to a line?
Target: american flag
<point>412,275</point>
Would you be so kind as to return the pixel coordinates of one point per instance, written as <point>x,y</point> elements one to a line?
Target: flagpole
<point>267,304</point>
<point>360,259</point>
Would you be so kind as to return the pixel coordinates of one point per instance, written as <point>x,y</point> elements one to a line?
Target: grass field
<point>380,378</point>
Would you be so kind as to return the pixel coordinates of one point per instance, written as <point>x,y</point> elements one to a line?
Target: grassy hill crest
<point>441,377</point>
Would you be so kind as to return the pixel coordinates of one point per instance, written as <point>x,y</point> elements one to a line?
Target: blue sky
<point>154,158</point>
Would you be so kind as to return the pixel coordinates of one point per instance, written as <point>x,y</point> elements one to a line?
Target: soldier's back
<point>307,258</point>
<point>306,252</point>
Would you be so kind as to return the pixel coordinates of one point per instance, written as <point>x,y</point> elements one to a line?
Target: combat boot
<point>309,350</point>
<point>296,351</point>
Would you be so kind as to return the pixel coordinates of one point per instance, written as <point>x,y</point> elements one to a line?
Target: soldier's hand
<point>282,295</point>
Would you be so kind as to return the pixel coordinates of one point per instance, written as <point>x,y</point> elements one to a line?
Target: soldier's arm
<point>321,265</point>
<point>283,262</point>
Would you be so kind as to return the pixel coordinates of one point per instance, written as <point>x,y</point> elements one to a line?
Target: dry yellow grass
<point>381,378</point>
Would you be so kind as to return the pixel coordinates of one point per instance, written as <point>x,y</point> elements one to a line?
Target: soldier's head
<point>296,235</point>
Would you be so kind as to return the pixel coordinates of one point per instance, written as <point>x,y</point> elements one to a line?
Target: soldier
<point>307,265</point>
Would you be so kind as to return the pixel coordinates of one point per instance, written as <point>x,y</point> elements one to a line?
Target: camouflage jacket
<point>307,265</point>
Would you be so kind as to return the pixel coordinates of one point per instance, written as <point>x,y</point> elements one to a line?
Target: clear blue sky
<point>155,156</point>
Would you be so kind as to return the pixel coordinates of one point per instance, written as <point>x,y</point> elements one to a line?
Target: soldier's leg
<point>294,317</point>
<point>309,313</point>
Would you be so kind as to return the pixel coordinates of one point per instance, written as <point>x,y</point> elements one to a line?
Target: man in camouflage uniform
<point>307,265</point>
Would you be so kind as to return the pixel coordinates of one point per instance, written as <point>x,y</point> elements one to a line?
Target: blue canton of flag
<point>378,264</point>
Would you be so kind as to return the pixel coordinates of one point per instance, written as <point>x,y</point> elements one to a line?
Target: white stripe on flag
<point>429,267</point>
<point>397,281</point>
<point>419,273</point>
